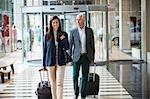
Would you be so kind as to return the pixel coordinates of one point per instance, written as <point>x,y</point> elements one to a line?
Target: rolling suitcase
<point>44,90</point>
<point>93,83</point>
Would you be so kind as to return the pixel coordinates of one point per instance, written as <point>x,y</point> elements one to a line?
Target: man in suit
<point>82,49</point>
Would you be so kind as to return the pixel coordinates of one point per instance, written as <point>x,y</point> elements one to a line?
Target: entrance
<point>36,24</point>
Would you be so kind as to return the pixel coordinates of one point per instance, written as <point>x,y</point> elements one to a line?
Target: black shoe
<point>75,97</point>
<point>82,98</point>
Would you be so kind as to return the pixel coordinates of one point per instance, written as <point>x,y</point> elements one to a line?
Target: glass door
<point>70,21</point>
<point>95,18</point>
<point>96,21</point>
<point>32,37</point>
<point>34,32</point>
<point>47,18</point>
<point>97,24</point>
<point>103,46</point>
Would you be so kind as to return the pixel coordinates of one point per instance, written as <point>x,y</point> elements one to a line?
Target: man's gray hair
<point>81,15</point>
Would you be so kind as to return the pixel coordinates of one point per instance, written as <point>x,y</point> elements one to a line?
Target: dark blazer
<point>49,51</point>
<point>75,44</point>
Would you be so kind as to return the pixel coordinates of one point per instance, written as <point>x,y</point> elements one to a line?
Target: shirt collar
<point>81,29</point>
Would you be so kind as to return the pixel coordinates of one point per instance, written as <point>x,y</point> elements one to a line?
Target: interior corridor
<point>119,80</point>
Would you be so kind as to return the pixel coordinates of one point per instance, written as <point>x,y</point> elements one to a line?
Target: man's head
<point>80,20</point>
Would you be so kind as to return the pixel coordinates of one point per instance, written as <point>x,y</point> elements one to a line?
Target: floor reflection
<point>133,76</point>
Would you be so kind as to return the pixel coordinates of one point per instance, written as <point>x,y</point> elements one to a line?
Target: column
<point>145,34</point>
<point>124,19</point>
<point>105,45</point>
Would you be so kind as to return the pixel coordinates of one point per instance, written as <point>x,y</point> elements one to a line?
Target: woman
<point>55,45</point>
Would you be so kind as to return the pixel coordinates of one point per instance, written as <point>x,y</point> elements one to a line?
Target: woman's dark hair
<point>50,34</point>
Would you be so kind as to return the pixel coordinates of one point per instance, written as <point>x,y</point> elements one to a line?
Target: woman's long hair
<point>50,34</point>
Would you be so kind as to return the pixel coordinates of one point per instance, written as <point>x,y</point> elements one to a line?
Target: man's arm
<point>71,43</point>
<point>93,46</point>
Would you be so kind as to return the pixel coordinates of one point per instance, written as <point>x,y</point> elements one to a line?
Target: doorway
<point>35,31</point>
<point>95,18</point>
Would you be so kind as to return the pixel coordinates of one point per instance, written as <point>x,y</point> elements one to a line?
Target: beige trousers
<point>56,80</point>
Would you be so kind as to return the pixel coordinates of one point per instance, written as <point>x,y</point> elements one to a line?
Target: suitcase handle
<point>44,70</point>
<point>93,73</point>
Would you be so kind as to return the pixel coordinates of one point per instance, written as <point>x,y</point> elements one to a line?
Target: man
<point>83,50</point>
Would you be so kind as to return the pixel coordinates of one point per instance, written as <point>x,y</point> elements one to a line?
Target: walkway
<point>24,82</point>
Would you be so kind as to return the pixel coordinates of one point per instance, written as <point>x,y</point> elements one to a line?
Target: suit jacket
<point>75,44</point>
<point>49,51</point>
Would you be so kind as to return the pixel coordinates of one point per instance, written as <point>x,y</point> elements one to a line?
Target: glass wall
<point>5,26</point>
<point>98,24</point>
<point>96,20</point>
<point>132,24</point>
<point>32,37</point>
<point>123,28</point>
<point>70,21</point>
<point>33,34</point>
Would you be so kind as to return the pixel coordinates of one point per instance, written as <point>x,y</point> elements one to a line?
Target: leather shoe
<point>75,97</point>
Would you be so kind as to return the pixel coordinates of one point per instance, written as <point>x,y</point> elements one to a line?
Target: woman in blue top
<point>54,46</point>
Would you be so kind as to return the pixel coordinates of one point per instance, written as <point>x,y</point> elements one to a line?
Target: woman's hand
<point>62,37</point>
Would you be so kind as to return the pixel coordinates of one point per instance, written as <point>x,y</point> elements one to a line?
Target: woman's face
<point>55,24</point>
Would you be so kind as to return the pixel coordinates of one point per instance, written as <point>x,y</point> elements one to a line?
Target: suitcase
<point>93,83</point>
<point>44,90</point>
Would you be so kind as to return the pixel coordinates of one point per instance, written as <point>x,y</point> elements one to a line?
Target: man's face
<point>80,21</point>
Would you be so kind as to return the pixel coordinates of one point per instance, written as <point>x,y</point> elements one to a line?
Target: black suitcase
<point>44,90</point>
<point>93,83</point>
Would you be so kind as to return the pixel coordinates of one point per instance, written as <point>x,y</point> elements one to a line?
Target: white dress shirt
<point>82,39</point>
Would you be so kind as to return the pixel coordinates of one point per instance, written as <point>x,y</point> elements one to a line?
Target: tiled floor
<point>24,84</point>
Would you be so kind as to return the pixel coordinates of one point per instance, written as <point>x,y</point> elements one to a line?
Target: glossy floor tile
<point>24,84</point>
<point>119,80</point>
